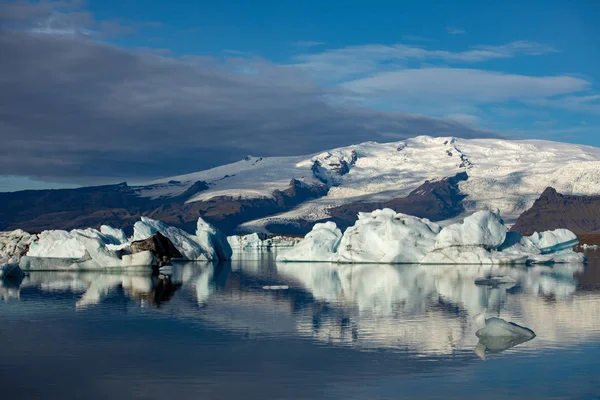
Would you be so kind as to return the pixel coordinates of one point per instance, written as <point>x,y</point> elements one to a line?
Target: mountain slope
<point>580,214</point>
<point>291,193</point>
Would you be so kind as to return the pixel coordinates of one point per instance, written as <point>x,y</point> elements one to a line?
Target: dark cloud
<point>75,109</point>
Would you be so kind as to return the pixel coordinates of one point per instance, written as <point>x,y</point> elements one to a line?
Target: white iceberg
<point>483,228</point>
<point>320,244</point>
<point>256,241</point>
<point>209,244</point>
<point>496,335</point>
<point>387,237</point>
<point>384,236</point>
<point>80,249</point>
<point>57,244</point>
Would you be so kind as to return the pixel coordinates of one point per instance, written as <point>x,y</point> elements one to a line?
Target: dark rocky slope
<point>435,200</point>
<point>552,210</point>
<point>121,206</point>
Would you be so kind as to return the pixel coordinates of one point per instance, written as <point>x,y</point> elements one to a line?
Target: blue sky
<point>517,69</point>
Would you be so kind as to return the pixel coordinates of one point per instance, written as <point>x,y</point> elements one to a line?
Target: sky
<point>106,91</point>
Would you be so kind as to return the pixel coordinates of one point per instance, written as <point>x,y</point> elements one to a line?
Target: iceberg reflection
<point>422,309</point>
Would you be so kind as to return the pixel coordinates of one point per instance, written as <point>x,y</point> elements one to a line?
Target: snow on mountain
<point>504,175</point>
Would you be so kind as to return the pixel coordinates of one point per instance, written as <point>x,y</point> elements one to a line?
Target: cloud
<point>415,38</point>
<point>448,85</point>
<point>455,31</point>
<point>65,18</point>
<point>466,119</point>
<point>579,104</point>
<point>307,43</point>
<point>77,110</point>
<point>348,62</point>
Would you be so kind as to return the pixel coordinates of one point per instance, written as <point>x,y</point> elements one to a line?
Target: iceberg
<point>14,245</point>
<point>387,237</point>
<point>483,228</point>
<point>57,244</point>
<point>257,241</point>
<point>384,236</point>
<point>90,249</point>
<point>118,238</point>
<point>209,244</point>
<point>496,335</point>
<point>79,249</point>
<point>320,244</point>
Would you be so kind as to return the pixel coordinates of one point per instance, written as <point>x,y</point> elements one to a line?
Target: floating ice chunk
<point>483,228</point>
<point>50,254</point>
<point>208,244</point>
<point>497,327</point>
<point>388,237</point>
<point>320,244</point>
<point>557,239</point>
<point>14,245</point>
<point>209,236</point>
<point>57,244</point>
<point>252,241</point>
<point>498,335</point>
<point>590,246</point>
<point>256,241</point>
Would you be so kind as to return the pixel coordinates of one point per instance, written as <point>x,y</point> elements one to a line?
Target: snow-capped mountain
<point>438,178</point>
<point>505,175</point>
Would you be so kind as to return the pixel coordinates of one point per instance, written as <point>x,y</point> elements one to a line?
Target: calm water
<point>336,332</point>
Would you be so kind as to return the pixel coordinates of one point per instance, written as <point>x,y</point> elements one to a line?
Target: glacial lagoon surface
<point>256,329</point>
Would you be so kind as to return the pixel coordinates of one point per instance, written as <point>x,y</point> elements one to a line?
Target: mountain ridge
<point>291,193</point>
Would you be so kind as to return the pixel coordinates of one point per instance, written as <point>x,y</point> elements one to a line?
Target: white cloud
<point>584,103</point>
<point>353,60</point>
<point>455,31</point>
<point>443,85</point>
<point>466,119</point>
<point>308,43</point>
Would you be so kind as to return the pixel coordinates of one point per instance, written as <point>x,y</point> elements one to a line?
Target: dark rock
<point>435,200</point>
<point>160,245</point>
<point>552,210</point>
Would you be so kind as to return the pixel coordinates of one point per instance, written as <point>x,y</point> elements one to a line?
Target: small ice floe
<point>276,287</point>
<point>589,246</point>
<point>495,281</point>
<point>497,335</point>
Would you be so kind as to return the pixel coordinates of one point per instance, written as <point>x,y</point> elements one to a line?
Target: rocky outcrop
<point>552,210</point>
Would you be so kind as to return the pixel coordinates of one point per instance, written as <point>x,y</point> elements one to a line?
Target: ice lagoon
<point>256,328</point>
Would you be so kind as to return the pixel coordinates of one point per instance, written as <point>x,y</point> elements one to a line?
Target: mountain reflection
<point>423,309</point>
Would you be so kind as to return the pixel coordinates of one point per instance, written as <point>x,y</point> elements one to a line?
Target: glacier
<point>384,236</point>
<point>508,175</point>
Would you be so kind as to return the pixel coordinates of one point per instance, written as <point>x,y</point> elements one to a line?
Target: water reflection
<point>423,310</point>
